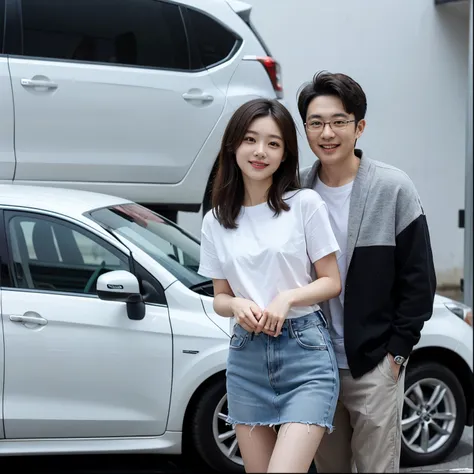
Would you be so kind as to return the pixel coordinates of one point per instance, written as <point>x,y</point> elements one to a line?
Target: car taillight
<point>273,70</point>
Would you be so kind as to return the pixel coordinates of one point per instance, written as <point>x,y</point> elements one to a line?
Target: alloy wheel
<point>429,416</point>
<point>224,434</point>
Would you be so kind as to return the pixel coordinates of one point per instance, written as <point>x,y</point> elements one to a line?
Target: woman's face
<point>261,151</point>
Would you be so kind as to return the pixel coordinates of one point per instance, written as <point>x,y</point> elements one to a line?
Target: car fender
<point>206,366</point>
<point>200,349</point>
<point>445,330</point>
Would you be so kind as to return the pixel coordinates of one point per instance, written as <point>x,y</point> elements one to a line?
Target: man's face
<point>332,143</point>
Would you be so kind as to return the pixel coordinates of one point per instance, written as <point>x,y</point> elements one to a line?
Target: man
<point>387,273</point>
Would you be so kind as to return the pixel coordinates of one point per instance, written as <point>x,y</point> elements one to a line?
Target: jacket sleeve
<point>415,281</point>
<point>305,175</point>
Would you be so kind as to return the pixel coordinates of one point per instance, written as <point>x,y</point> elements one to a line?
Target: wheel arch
<point>187,442</point>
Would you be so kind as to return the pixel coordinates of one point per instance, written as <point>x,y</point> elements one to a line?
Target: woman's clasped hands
<point>269,321</point>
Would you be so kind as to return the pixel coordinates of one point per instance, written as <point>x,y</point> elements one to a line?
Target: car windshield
<point>168,244</point>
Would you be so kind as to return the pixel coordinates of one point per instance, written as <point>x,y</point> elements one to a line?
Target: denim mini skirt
<point>292,378</point>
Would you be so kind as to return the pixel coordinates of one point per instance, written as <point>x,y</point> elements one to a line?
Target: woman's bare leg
<point>295,448</point>
<point>256,445</point>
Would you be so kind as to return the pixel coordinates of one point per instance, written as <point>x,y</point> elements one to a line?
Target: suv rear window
<point>146,33</point>
<point>214,41</point>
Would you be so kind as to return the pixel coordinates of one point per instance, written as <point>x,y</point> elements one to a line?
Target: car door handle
<point>38,83</point>
<point>29,319</point>
<point>201,97</point>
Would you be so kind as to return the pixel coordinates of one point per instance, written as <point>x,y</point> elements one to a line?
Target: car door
<point>104,91</point>
<point>76,366</point>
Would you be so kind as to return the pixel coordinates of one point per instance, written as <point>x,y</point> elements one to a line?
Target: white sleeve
<point>209,265</point>
<point>320,238</point>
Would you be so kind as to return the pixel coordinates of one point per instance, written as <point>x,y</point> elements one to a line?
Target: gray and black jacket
<point>391,282</point>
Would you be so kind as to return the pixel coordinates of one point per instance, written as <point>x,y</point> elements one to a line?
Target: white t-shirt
<point>269,254</point>
<point>338,202</point>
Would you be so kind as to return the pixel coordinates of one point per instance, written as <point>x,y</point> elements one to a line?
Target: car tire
<point>203,427</point>
<point>449,414</point>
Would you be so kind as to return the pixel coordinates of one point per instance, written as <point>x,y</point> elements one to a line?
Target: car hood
<point>443,300</point>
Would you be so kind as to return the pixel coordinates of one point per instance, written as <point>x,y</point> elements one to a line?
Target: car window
<point>166,243</point>
<point>2,23</point>
<point>214,41</point>
<point>146,33</point>
<point>49,255</point>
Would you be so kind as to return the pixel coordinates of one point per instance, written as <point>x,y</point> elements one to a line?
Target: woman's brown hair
<point>228,184</point>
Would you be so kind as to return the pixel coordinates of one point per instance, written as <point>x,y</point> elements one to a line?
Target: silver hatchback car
<point>126,97</point>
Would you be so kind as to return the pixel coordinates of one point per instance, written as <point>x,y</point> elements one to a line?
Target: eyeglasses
<point>318,126</point>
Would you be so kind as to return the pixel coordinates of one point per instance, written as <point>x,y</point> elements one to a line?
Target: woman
<point>259,244</point>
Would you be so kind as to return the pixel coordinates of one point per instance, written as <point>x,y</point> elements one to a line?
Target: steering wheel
<point>94,277</point>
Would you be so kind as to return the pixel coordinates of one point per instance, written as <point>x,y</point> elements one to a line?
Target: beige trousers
<point>367,423</point>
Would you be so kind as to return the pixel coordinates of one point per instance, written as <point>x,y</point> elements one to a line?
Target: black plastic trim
<point>13,38</point>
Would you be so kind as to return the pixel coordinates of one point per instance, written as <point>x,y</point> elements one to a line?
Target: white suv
<point>127,97</point>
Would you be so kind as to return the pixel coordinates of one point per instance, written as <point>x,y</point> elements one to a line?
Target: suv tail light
<point>274,72</point>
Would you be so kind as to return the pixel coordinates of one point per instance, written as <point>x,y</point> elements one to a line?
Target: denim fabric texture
<point>290,378</point>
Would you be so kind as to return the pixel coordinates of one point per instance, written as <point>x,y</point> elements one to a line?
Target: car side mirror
<point>123,286</point>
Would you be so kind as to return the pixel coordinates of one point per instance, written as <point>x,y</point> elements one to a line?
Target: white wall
<point>411,58</point>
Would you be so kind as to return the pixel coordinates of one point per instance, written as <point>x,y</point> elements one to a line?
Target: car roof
<point>69,202</point>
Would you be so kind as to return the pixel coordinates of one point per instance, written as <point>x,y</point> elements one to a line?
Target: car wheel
<point>434,414</point>
<point>214,440</point>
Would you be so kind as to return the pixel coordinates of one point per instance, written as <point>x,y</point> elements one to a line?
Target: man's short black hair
<point>339,85</point>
